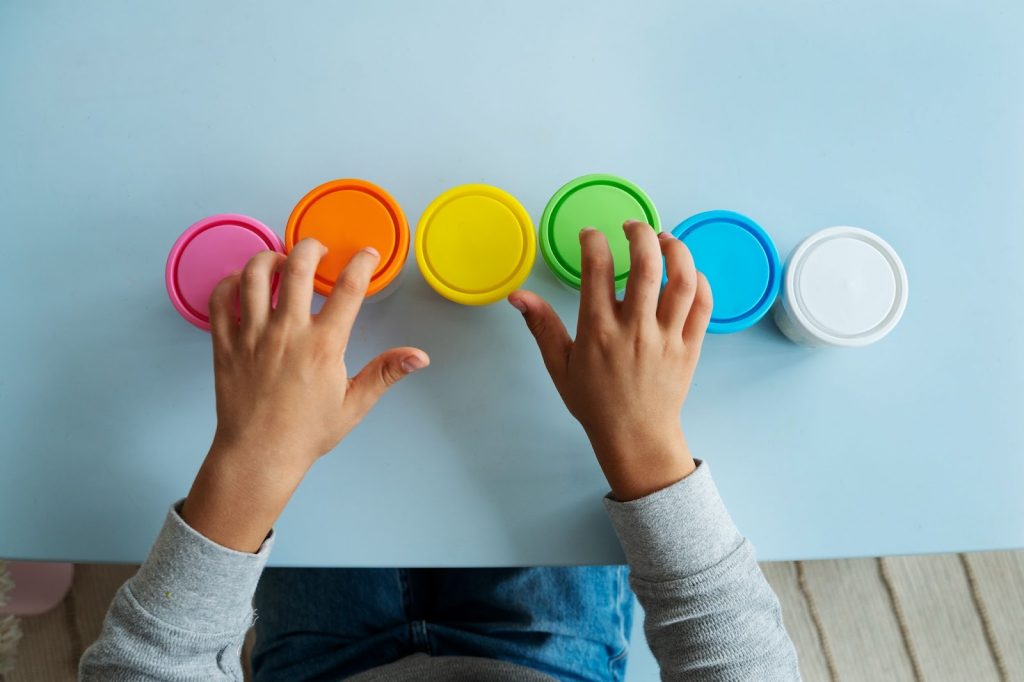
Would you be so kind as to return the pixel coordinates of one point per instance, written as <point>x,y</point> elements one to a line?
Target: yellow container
<point>475,244</point>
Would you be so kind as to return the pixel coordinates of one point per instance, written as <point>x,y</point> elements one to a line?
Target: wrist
<point>236,497</point>
<point>641,463</point>
<point>265,462</point>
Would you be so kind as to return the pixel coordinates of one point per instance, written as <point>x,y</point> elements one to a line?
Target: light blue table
<point>121,123</point>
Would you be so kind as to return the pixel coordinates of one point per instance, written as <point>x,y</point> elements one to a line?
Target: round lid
<point>346,216</point>
<point>603,202</point>
<point>206,253</point>
<point>475,244</point>
<point>846,286</point>
<point>741,264</point>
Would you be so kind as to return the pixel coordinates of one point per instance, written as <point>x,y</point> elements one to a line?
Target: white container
<point>842,286</point>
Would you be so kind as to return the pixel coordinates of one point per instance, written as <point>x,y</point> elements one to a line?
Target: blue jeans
<point>572,623</point>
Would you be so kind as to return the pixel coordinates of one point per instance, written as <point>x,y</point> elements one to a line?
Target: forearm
<point>710,614</point>
<point>183,616</point>
<point>235,503</point>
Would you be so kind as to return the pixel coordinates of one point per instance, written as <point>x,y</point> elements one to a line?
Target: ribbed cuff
<point>193,583</point>
<point>675,532</point>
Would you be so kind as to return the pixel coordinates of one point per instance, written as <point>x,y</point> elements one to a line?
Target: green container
<point>603,202</point>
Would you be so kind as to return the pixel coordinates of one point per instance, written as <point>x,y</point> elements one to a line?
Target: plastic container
<point>39,586</point>
<point>603,202</point>
<point>346,216</point>
<point>741,264</point>
<point>475,244</point>
<point>843,286</point>
<point>206,253</point>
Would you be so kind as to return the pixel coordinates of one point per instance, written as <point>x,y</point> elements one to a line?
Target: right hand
<point>284,393</point>
<point>626,375</point>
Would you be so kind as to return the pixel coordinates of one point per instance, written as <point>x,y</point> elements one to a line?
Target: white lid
<point>845,286</point>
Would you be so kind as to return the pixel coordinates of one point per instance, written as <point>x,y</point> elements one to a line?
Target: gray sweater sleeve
<point>183,616</point>
<point>709,612</point>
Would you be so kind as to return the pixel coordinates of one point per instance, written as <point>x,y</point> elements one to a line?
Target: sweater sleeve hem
<point>675,532</point>
<point>192,583</point>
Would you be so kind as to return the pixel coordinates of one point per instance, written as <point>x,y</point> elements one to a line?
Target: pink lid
<point>208,252</point>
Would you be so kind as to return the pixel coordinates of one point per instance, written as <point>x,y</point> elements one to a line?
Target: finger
<point>700,313</point>
<point>255,288</point>
<point>380,374</point>
<point>547,328</point>
<point>597,288</point>
<point>297,274</point>
<point>681,287</point>
<point>644,281</point>
<point>223,310</point>
<point>339,312</point>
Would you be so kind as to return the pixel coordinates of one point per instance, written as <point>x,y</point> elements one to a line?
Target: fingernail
<point>372,251</point>
<point>413,363</point>
<point>586,229</point>
<point>664,235</point>
<point>518,304</point>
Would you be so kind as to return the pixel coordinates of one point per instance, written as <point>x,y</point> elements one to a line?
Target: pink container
<point>38,586</point>
<point>206,253</point>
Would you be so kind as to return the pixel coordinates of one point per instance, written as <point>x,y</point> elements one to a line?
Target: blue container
<point>741,264</point>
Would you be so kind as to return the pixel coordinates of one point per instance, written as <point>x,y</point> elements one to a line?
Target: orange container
<point>346,216</point>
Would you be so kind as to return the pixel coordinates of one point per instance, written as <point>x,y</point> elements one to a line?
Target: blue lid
<point>741,264</point>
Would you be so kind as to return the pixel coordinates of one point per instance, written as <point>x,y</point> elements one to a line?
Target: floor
<point>945,617</point>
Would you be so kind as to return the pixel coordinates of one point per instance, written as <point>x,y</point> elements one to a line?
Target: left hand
<point>284,395</point>
<point>627,373</point>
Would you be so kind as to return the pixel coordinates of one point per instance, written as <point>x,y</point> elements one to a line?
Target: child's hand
<point>626,375</point>
<point>284,395</point>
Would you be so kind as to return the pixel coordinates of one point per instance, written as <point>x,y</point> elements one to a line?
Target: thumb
<point>547,328</point>
<point>381,373</point>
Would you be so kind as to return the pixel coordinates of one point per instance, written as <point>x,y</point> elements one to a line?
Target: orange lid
<point>346,216</point>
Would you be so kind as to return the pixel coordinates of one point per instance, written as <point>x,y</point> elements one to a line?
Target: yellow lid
<point>475,244</point>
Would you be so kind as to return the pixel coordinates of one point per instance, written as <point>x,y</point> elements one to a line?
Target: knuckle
<point>648,335</point>
<point>704,303</point>
<point>642,274</point>
<point>249,339</point>
<point>348,284</point>
<point>324,351</point>
<point>388,373</point>
<point>598,263</point>
<point>681,285</point>
<point>602,335</point>
<point>252,273</point>
<point>537,325</point>
<point>275,335</point>
<point>222,365</point>
<point>298,268</point>
<point>222,354</point>
<point>645,260</point>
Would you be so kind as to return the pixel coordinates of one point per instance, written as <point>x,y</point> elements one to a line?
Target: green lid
<point>604,202</point>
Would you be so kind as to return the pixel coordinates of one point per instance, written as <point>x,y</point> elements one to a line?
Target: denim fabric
<point>572,623</point>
